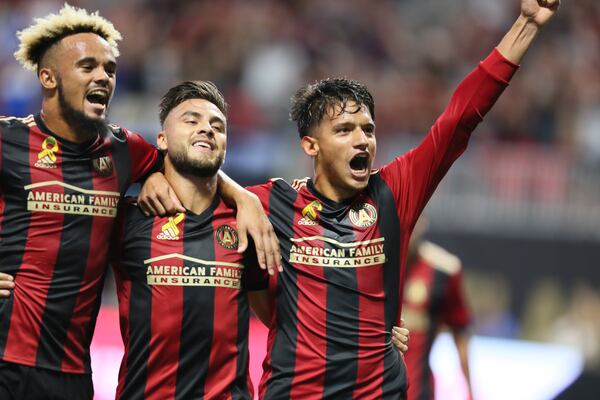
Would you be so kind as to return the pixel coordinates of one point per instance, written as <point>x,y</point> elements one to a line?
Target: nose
<point>101,76</point>
<point>205,128</point>
<point>360,139</point>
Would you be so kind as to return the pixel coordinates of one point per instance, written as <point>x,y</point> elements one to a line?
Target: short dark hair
<point>311,102</point>
<point>191,90</point>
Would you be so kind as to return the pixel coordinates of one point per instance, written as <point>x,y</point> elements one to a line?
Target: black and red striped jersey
<point>433,299</point>
<point>59,202</point>
<point>182,289</point>
<point>340,292</point>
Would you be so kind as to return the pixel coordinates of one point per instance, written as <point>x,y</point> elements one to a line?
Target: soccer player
<point>344,233</point>
<point>433,299</point>
<point>181,282</point>
<point>62,174</point>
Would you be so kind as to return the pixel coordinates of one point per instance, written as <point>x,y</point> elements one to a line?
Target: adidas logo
<point>167,236</point>
<point>45,162</point>
<point>307,221</point>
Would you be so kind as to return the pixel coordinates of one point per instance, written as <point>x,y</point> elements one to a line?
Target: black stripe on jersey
<point>342,321</point>
<point>140,298</point>
<point>69,267</point>
<point>389,228</point>
<point>281,213</point>
<point>13,232</point>
<point>122,160</point>
<point>196,339</point>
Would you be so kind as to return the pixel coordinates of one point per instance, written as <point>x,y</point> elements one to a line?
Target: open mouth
<point>359,164</point>
<point>202,145</point>
<point>99,97</point>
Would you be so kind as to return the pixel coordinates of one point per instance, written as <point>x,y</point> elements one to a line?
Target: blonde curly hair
<point>39,37</point>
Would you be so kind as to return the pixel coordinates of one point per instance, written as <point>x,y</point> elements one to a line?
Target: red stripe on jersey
<point>92,279</point>
<point>222,370</point>
<point>311,328</point>
<point>35,273</point>
<point>167,315</point>
<point>143,156</point>
<point>371,330</point>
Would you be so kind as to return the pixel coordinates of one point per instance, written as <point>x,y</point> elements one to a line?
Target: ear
<point>310,145</point>
<point>47,78</point>
<point>161,141</point>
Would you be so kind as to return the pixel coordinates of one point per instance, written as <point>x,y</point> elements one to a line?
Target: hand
<point>158,198</point>
<point>539,11</point>
<point>252,220</point>
<point>400,337</point>
<point>7,283</point>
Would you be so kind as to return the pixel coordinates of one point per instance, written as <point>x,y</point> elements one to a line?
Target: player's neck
<point>331,191</point>
<point>195,193</point>
<point>55,122</point>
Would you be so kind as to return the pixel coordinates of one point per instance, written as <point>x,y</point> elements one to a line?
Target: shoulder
<point>279,185</point>
<point>7,122</point>
<point>439,258</point>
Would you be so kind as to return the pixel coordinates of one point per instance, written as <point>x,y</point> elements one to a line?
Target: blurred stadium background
<point>521,207</point>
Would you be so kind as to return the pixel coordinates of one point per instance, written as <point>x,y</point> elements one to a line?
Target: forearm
<point>517,40</point>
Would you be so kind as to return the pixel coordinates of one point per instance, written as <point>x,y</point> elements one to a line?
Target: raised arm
<point>534,15</point>
<point>414,176</point>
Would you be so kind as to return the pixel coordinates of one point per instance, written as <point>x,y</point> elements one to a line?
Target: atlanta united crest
<point>103,165</point>
<point>363,215</point>
<point>227,237</point>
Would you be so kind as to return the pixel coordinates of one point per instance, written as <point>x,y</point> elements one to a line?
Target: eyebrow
<point>94,61</point>
<point>196,114</point>
<point>352,125</point>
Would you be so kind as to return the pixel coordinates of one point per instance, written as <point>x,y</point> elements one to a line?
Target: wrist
<point>528,23</point>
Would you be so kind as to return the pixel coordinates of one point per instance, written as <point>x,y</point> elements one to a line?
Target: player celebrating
<point>181,282</point>
<point>63,172</point>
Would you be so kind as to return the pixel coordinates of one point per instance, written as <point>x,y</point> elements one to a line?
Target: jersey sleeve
<point>414,176</point>
<point>263,192</point>
<point>145,158</point>
<point>455,312</point>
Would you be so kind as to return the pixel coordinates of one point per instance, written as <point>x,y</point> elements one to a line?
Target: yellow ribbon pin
<point>49,147</point>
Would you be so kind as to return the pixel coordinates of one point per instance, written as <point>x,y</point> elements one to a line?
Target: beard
<point>82,123</point>
<point>199,168</point>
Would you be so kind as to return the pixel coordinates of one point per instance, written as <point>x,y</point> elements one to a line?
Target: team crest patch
<point>170,230</point>
<point>103,166</point>
<point>227,237</point>
<point>47,157</point>
<point>363,215</point>
<point>310,213</point>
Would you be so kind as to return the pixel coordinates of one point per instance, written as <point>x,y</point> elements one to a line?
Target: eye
<point>191,122</point>
<point>369,130</point>
<point>218,128</point>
